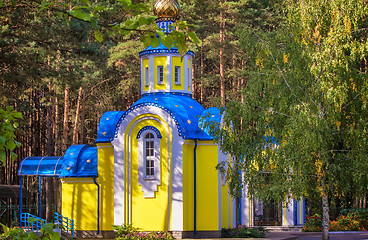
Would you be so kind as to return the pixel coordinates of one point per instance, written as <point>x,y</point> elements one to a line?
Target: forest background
<point>62,79</point>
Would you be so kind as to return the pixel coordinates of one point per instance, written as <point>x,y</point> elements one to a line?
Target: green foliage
<point>47,233</point>
<point>243,232</point>
<point>352,221</point>
<point>313,223</point>
<point>305,87</point>
<point>127,231</point>
<point>8,124</point>
<point>94,15</point>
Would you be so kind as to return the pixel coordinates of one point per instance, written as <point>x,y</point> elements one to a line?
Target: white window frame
<point>177,75</point>
<point>146,76</point>
<point>149,155</point>
<point>149,183</point>
<point>160,74</point>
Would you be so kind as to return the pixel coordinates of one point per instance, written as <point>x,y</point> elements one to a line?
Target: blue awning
<point>41,166</point>
<point>78,161</point>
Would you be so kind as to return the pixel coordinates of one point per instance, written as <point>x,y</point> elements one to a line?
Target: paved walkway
<point>316,236</point>
<point>302,236</point>
<point>307,236</point>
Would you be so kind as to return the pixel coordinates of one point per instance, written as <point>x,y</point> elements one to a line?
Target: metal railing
<point>9,213</point>
<point>34,225</point>
<point>67,225</point>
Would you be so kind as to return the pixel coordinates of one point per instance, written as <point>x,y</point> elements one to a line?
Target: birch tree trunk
<point>325,217</point>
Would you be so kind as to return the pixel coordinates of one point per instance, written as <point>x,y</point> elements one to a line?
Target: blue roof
<point>80,161</point>
<point>185,111</point>
<point>106,127</point>
<point>40,166</point>
<point>161,49</point>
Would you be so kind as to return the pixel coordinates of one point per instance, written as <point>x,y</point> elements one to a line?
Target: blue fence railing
<point>35,225</point>
<point>66,224</point>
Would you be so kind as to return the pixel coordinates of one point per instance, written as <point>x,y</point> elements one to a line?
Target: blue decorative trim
<point>165,25</point>
<point>134,107</point>
<point>167,93</point>
<point>155,51</point>
<point>158,134</point>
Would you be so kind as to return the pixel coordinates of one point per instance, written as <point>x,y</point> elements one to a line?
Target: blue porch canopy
<point>41,166</point>
<point>78,161</point>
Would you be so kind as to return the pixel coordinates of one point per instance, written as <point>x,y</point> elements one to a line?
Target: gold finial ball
<point>166,9</point>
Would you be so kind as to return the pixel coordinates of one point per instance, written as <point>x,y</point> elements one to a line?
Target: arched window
<point>149,151</point>
<point>149,163</point>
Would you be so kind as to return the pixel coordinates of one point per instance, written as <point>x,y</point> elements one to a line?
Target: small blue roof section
<point>161,49</point>
<point>108,121</point>
<point>210,118</point>
<point>183,109</point>
<point>40,166</point>
<point>80,161</point>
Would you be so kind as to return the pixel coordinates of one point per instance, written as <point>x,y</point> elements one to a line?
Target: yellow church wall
<point>226,205</point>
<point>79,198</point>
<point>79,195</point>
<point>105,153</point>
<point>160,61</point>
<point>145,65</point>
<point>177,61</point>
<point>149,213</point>
<point>207,186</point>
<point>188,181</point>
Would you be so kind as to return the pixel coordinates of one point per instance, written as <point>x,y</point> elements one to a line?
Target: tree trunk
<point>233,90</point>
<point>56,123</point>
<point>325,217</point>
<point>202,71</point>
<point>66,120</point>
<point>82,117</point>
<point>49,152</point>
<point>242,83</point>
<point>77,113</point>
<point>222,38</point>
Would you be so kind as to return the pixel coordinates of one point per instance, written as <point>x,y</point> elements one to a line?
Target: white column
<point>152,78</point>
<point>169,74</point>
<point>288,213</point>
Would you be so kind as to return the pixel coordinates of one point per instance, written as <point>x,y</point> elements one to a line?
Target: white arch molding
<point>175,172</point>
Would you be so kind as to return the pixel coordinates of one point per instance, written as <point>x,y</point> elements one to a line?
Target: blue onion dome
<point>166,10</point>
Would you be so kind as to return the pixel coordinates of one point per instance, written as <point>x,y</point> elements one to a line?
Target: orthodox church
<point>153,166</point>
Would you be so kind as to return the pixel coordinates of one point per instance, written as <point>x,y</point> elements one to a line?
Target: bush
<point>313,224</point>
<point>47,233</point>
<point>243,232</point>
<point>352,221</point>
<point>127,231</point>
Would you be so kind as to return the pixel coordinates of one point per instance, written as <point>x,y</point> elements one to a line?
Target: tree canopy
<point>306,91</point>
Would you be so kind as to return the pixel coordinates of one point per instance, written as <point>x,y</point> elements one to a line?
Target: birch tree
<point>307,92</point>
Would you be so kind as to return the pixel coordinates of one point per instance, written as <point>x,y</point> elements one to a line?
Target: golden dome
<point>166,9</point>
